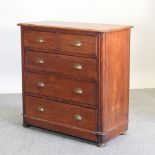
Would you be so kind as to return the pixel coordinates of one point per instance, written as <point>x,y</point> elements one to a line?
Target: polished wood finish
<point>85,74</point>
<point>117,79</point>
<point>91,27</point>
<point>62,114</point>
<point>114,80</point>
<point>78,43</point>
<point>59,87</point>
<point>40,40</point>
<point>54,63</point>
<point>70,130</point>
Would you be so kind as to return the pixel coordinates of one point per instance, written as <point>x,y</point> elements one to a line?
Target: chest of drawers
<point>76,78</point>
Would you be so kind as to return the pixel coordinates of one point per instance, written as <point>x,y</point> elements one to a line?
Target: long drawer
<point>60,113</point>
<point>64,88</point>
<point>76,67</point>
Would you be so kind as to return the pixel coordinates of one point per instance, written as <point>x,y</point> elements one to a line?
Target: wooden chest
<point>76,78</point>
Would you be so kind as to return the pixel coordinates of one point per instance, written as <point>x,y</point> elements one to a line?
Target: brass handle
<point>77,117</point>
<point>40,84</point>
<point>77,43</point>
<point>77,66</point>
<point>40,61</point>
<point>40,109</point>
<point>40,40</point>
<point>78,91</point>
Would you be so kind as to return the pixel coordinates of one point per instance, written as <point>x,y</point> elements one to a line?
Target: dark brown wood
<point>77,132</point>
<point>114,83</point>
<point>103,99</point>
<point>62,113</point>
<point>62,65</point>
<point>23,76</point>
<point>91,106</point>
<point>41,40</point>
<point>88,44</point>
<point>59,87</point>
<point>59,31</point>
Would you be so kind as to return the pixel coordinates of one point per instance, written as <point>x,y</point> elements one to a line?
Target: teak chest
<point>76,78</point>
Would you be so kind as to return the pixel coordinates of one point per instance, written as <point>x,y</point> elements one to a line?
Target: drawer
<point>61,88</point>
<point>61,113</point>
<point>76,67</point>
<point>41,40</point>
<point>78,44</point>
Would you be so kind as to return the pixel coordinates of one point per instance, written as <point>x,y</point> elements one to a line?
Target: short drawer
<point>40,40</point>
<point>78,44</point>
<point>61,113</point>
<point>76,67</point>
<point>61,88</point>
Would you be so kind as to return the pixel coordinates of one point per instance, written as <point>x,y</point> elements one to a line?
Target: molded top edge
<point>76,26</point>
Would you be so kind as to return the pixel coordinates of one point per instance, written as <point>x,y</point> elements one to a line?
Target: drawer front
<point>61,88</point>
<point>41,40</point>
<point>78,44</point>
<point>76,67</point>
<point>61,113</point>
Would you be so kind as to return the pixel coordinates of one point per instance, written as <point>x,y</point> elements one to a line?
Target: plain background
<point>139,13</point>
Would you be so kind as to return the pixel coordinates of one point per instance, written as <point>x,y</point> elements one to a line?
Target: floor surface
<point>17,140</point>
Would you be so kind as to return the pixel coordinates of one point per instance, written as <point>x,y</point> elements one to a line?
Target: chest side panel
<point>114,82</point>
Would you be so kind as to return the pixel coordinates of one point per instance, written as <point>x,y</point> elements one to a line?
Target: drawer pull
<point>40,84</point>
<point>40,109</point>
<point>77,66</point>
<point>77,43</point>
<point>40,40</point>
<point>78,91</point>
<point>40,61</point>
<point>77,117</point>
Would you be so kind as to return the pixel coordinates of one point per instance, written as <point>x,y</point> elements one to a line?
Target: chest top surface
<point>77,26</point>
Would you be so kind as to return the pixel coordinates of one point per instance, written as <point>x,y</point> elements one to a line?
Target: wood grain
<point>61,113</point>
<point>77,132</point>
<point>62,64</point>
<point>104,54</point>
<point>60,87</point>
<point>115,83</point>
<point>91,27</point>
<point>88,44</point>
<point>50,40</point>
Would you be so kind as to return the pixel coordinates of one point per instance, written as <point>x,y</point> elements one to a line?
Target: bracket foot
<point>101,144</point>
